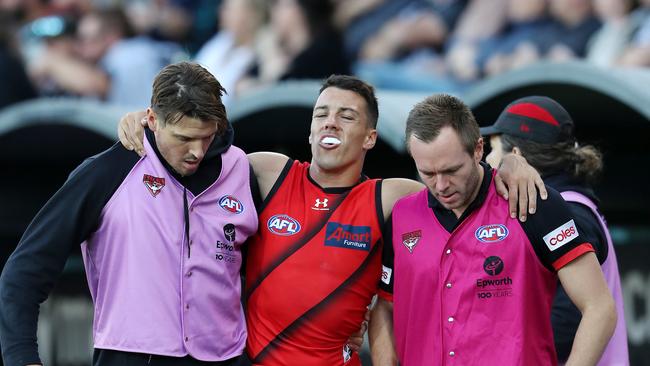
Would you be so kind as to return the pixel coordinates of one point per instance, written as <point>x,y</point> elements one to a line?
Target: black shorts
<point>105,357</point>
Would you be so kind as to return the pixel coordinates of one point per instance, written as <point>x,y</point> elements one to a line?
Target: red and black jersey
<point>312,268</point>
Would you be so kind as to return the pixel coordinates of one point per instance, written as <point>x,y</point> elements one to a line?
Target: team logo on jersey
<point>386,272</point>
<point>347,236</point>
<point>491,233</point>
<point>231,204</point>
<point>229,232</point>
<point>284,225</point>
<point>493,265</point>
<point>153,184</point>
<point>347,353</point>
<point>321,205</point>
<point>561,236</point>
<point>410,239</point>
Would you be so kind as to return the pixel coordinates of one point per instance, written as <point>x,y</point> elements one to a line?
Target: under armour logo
<point>321,205</point>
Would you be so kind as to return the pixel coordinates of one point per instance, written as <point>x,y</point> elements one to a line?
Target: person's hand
<point>131,131</point>
<point>518,182</point>
<point>356,340</point>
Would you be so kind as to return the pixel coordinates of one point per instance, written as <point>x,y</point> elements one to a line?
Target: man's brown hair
<point>429,116</point>
<point>187,89</point>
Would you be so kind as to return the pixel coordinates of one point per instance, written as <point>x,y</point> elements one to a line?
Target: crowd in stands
<point>110,50</point>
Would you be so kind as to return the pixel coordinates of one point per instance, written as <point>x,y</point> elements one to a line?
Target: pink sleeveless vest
<point>151,295</point>
<point>616,353</point>
<point>477,296</point>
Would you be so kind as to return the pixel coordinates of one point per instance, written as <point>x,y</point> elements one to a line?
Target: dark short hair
<point>354,84</point>
<point>187,89</point>
<point>582,162</point>
<point>429,116</point>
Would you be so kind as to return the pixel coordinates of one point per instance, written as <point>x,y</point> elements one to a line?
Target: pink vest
<point>477,296</point>
<point>615,353</point>
<point>151,295</point>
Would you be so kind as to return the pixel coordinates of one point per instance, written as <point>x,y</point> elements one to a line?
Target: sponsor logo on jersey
<point>226,252</point>
<point>282,224</point>
<point>229,232</point>
<point>231,204</point>
<point>386,273</point>
<point>493,265</point>
<point>347,236</point>
<point>561,236</point>
<point>347,353</point>
<point>491,233</point>
<point>410,239</point>
<point>321,204</point>
<point>153,184</point>
<point>494,287</point>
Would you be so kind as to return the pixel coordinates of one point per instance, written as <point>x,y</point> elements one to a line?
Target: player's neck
<point>343,177</point>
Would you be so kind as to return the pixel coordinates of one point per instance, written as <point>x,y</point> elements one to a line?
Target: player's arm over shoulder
<point>393,189</point>
<point>267,167</point>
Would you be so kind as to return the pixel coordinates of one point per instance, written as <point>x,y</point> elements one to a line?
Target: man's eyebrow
<point>452,168</point>
<point>348,109</point>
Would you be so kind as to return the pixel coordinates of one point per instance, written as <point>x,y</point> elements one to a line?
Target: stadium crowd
<point>111,50</point>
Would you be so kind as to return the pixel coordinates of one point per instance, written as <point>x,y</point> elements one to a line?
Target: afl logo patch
<point>491,233</point>
<point>231,204</point>
<point>284,225</point>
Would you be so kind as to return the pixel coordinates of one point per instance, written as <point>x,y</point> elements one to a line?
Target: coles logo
<point>561,236</point>
<point>231,204</point>
<point>491,233</point>
<point>284,225</point>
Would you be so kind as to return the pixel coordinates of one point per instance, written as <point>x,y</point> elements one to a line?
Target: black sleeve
<point>65,221</point>
<point>387,259</point>
<point>553,232</point>
<point>565,319</point>
<point>590,229</point>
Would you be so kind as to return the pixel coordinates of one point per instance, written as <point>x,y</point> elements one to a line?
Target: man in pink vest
<point>549,145</point>
<point>161,238</point>
<point>466,284</point>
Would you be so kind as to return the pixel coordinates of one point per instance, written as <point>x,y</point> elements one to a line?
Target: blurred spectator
<point>398,43</point>
<point>637,52</point>
<point>49,35</point>
<point>21,11</point>
<point>480,22</point>
<point>391,29</point>
<point>346,11</point>
<point>302,44</point>
<point>230,54</point>
<point>15,86</point>
<point>519,43</point>
<point>608,43</point>
<point>573,25</point>
<point>109,63</point>
<point>167,20</point>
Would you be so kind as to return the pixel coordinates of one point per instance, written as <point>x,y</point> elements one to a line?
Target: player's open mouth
<point>329,142</point>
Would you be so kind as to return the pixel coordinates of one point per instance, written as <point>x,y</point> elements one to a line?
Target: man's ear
<point>370,140</point>
<point>516,151</point>
<point>478,150</point>
<point>152,120</point>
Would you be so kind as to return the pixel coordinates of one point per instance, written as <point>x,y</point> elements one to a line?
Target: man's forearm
<point>380,334</point>
<point>595,330</point>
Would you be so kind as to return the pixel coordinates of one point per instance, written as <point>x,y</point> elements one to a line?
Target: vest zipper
<point>186,214</point>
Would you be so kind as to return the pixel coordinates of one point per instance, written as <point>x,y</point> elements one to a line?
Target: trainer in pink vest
<point>477,296</point>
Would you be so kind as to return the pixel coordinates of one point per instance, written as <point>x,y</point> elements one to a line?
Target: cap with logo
<point>535,118</point>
